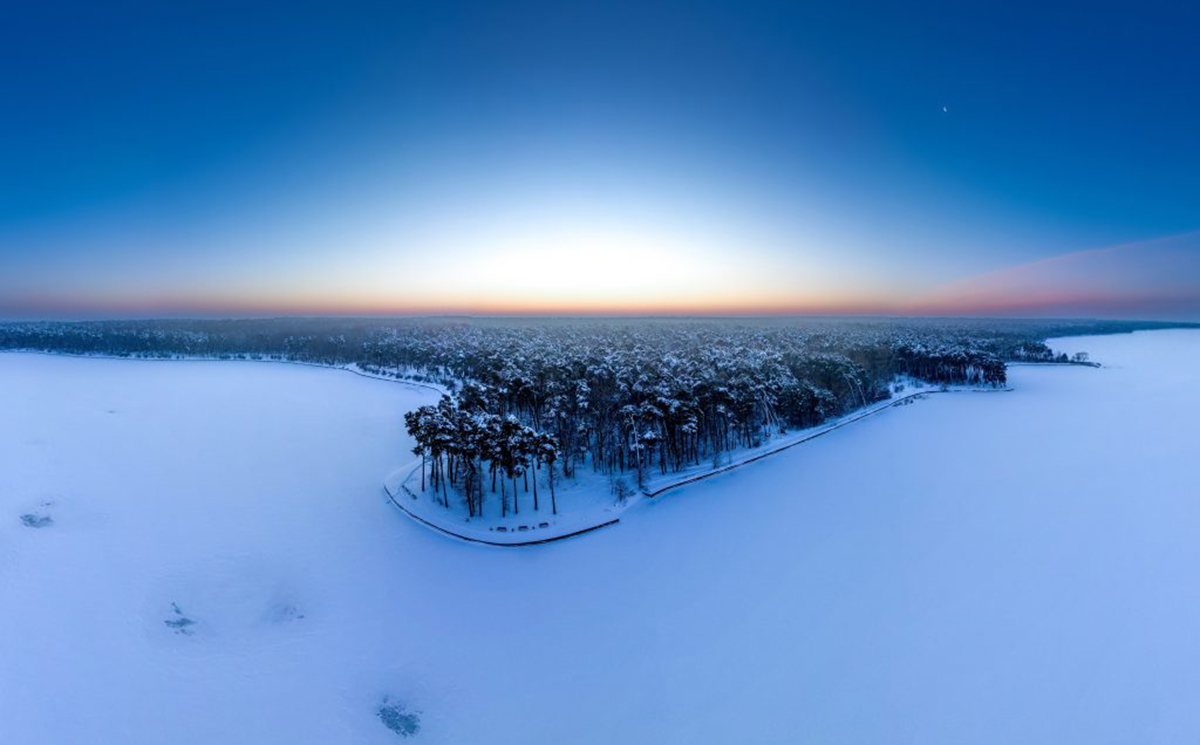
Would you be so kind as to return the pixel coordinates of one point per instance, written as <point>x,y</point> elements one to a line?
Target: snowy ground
<point>585,503</point>
<point>983,569</point>
<point>591,499</point>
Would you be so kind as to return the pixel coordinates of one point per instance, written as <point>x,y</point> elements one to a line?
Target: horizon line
<point>632,316</point>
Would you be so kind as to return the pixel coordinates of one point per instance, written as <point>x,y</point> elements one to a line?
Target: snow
<point>588,500</point>
<point>984,569</point>
<point>911,392</point>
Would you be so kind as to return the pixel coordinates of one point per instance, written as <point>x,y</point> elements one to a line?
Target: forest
<point>615,395</point>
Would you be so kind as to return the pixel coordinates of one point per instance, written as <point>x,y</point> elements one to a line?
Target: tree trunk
<point>445,495</point>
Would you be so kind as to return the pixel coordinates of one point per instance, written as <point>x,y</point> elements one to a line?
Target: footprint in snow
<point>179,622</point>
<point>39,518</point>
<point>285,612</point>
<point>396,717</point>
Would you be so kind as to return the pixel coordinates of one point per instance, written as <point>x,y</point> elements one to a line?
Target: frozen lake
<point>201,553</point>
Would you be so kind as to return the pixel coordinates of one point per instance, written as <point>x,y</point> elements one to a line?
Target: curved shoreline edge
<point>807,437</point>
<point>653,493</point>
<point>650,493</point>
<point>392,498</point>
<point>351,368</point>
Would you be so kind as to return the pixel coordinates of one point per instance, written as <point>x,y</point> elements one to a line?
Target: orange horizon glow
<point>207,307</point>
<point>1080,305</point>
<point>1159,278</point>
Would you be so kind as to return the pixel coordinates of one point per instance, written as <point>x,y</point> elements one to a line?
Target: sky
<point>407,157</point>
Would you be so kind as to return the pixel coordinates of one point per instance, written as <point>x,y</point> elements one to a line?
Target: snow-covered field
<point>201,553</point>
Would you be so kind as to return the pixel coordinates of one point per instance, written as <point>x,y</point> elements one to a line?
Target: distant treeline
<point>617,395</point>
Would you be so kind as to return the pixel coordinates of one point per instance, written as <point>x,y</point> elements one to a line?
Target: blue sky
<point>565,157</point>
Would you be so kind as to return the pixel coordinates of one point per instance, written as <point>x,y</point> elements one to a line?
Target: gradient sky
<point>740,157</point>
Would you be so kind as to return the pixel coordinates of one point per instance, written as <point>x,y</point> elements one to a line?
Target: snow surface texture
<point>983,569</point>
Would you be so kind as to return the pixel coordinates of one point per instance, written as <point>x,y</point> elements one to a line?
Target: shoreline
<point>664,484</point>
<point>351,367</point>
<point>648,492</point>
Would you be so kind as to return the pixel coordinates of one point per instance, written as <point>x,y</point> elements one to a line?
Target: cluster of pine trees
<point>637,399</point>
<point>458,440</point>
<point>537,400</point>
<point>546,397</point>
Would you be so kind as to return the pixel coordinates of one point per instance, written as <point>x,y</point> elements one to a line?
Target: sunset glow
<point>425,159</point>
<point>591,372</point>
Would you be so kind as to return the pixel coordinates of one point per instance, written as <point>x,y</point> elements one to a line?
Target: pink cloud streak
<point>1158,277</point>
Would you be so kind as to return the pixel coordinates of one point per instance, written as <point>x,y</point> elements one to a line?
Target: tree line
<point>545,397</point>
<point>458,442</point>
<point>643,399</point>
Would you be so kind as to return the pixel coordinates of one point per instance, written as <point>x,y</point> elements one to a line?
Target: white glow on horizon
<point>597,262</point>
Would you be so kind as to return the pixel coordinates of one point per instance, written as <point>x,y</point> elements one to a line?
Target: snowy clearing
<point>202,553</point>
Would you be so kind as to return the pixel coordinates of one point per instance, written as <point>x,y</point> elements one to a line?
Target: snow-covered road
<point>208,559</point>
